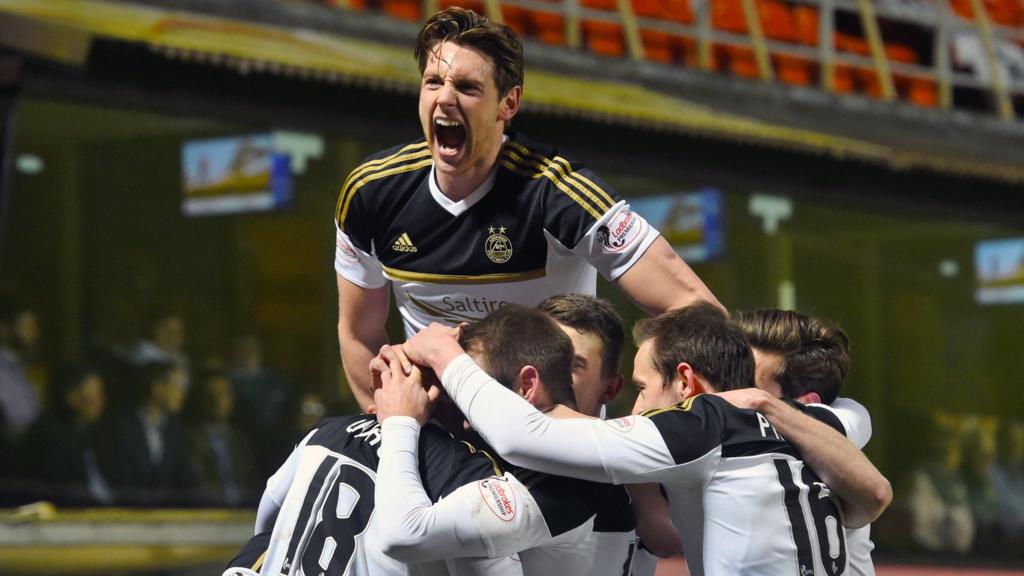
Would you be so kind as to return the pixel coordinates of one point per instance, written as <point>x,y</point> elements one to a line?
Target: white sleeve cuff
<point>355,265</point>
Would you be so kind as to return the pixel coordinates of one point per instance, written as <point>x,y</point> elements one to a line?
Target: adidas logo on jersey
<point>403,244</point>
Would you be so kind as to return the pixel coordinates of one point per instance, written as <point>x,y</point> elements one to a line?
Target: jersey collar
<point>458,208</point>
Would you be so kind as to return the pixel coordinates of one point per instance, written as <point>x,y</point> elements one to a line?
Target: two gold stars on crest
<point>501,230</point>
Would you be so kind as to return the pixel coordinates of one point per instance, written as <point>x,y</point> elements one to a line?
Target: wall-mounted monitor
<point>234,175</point>
<point>690,221</point>
<point>999,268</point>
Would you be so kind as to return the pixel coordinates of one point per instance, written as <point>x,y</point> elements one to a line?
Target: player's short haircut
<point>515,336</point>
<point>700,335</point>
<point>815,353</point>
<point>468,29</point>
<point>589,315</point>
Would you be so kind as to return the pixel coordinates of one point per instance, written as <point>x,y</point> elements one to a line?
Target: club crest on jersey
<point>345,251</point>
<point>497,246</point>
<point>624,424</point>
<point>499,498</point>
<point>623,229</point>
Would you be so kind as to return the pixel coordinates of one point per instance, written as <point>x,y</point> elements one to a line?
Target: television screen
<point>690,221</point>
<point>233,175</point>
<point>999,265</point>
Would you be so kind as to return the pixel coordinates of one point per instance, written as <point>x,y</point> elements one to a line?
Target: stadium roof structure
<point>310,42</point>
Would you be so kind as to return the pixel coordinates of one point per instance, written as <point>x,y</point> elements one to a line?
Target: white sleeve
<point>616,241</point>
<point>277,489</point>
<point>854,417</point>
<point>355,265</point>
<point>621,451</point>
<point>493,517</point>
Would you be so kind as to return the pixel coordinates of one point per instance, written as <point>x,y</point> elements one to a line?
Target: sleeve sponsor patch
<point>621,232</point>
<point>499,497</point>
<point>624,424</point>
<point>345,251</point>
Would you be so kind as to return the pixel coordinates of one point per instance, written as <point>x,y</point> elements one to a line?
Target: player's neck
<point>562,411</point>
<point>458,185</point>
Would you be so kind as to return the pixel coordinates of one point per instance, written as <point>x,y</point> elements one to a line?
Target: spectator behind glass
<point>219,453</point>
<point>143,451</point>
<point>59,450</point>
<point>940,513</point>
<point>1008,483</point>
<point>979,456</point>
<point>259,392</point>
<point>165,343</point>
<point>19,399</point>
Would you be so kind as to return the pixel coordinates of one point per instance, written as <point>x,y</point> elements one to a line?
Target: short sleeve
<point>588,218</point>
<point>690,429</point>
<point>854,417</point>
<point>356,265</point>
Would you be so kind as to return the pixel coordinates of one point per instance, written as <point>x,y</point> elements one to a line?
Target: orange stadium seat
<point>410,10</point>
<point>548,27</point>
<point>517,19</point>
<point>806,20</point>
<point>603,38</point>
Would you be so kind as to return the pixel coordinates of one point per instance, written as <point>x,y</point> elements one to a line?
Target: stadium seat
<point>603,38</point>
<point>548,27</point>
<point>409,10</point>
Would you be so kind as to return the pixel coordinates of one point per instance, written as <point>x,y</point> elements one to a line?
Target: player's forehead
<point>585,343</point>
<point>450,59</point>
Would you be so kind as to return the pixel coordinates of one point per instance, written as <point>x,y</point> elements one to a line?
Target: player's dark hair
<point>701,336</point>
<point>468,29</point>
<point>516,336</point>
<point>589,315</point>
<point>815,352</point>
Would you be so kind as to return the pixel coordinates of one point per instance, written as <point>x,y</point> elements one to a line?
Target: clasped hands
<point>403,377</point>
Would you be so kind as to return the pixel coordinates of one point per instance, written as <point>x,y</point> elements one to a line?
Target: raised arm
<point>362,313</point>
<point>580,448</point>
<point>661,281</point>
<point>864,492</point>
<point>458,525</point>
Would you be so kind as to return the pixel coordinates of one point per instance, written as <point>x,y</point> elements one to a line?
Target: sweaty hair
<point>468,29</point>
<point>515,336</point>
<point>815,353</point>
<point>589,315</point>
<point>700,335</point>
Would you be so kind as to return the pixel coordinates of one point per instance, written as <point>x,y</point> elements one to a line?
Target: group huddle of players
<point>405,491</point>
<point>483,447</point>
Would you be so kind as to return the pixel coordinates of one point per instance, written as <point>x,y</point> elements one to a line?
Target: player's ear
<point>809,398</point>
<point>508,107</point>
<point>689,383</point>
<point>612,386</point>
<point>529,383</point>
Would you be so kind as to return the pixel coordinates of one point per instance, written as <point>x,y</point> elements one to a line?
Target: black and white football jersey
<point>538,226</point>
<point>742,499</point>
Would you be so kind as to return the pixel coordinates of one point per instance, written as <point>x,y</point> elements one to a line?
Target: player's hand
<point>379,363</point>
<point>434,346</point>
<point>750,398</point>
<point>405,394</point>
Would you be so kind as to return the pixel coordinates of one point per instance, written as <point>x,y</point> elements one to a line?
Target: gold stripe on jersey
<point>603,197</point>
<point>259,562</point>
<point>553,170</point>
<point>494,463</point>
<point>562,167</point>
<point>369,165</point>
<point>534,174</point>
<point>408,276</point>
<point>394,164</point>
<point>683,406</point>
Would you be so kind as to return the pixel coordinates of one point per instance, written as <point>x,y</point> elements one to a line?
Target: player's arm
<point>654,520</point>
<point>493,517</point>
<point>660,281</point>
<point>362,313</point>
<point>863,491</point>
<point>580,448</point>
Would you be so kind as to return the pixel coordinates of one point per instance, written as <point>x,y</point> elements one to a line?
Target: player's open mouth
<point>450,135</point>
